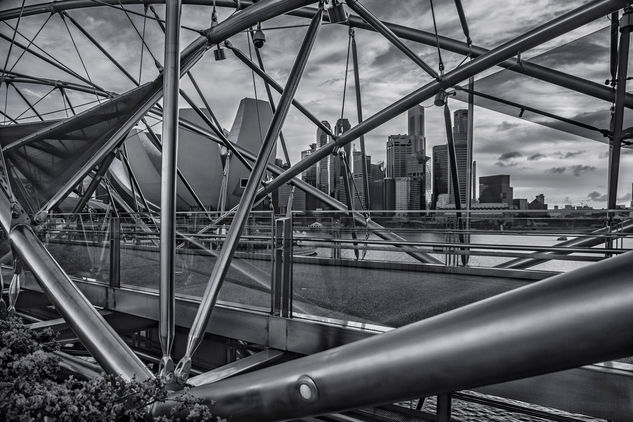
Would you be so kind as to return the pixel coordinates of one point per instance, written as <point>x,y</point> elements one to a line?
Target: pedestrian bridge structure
<point>153,263</point>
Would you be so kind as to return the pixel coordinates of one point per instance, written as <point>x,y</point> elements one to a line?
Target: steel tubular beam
<point>613,47</point>
<point>171,80</point>
<point>49,61</point>
<point>100,47</point>
<point>359,112</point>
<point>384,30</point>
<point>103,343</point>
<point>463,21</point>
<point>271,102</point>
<point>16,77</point>
<point>618,114</point>
<point>239,220</point>
<point>94,183</point>
<point>452,157</point>
<point>562,322</point>
<point>537,36</point>
<point>270,81</point>
<point>26,100</point>
<point>471,91</point>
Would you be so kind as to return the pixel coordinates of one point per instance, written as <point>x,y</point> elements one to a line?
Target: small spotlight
<point>336,12</point>
<point>219,54</point>
<point>440,99</point>
<point>258,37</point>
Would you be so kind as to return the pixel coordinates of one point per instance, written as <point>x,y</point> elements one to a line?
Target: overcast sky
<point>565,167</point>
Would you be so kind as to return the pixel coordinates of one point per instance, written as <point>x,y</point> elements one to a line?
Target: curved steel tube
<point>569,320</point>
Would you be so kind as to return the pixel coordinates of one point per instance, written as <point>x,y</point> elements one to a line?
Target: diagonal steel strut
<point>246,202</point>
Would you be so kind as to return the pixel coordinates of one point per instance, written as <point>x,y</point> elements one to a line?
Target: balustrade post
<point>115,252</point>
<point>281,294</point>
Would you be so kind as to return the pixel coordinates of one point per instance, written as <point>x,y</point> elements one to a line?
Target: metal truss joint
<point>19,215</point>
<point>626,21</point>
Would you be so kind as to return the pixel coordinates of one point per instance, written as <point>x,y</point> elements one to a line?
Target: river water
<point>487,238</point>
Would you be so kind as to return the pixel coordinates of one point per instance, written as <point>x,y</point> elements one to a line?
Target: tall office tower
<point>495,189</point>
<point>377,171</point>
<point>402,193</point>
<point>460,126</point>
<point>474,188</point>
<point>417,162</point>
<point>359,176</point>
<point>337,167</point>
<point>460,134</point>
<point>309,176</point>
<point>376,190</point>
<point>415,118</point>
<point>440,171</point>
<point>357,163</point>
<point>322,166</point>
<point>398,149</point>
<point>389,193</point>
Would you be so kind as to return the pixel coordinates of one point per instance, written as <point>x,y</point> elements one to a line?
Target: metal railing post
<point>115,252</point>
<point>282,268</point>
<point>443,408</point>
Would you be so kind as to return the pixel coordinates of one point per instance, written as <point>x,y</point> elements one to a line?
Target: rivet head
<point>307,389</point>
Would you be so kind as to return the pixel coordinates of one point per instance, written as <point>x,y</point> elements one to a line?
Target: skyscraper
<point>495,189</point>
<point>337,166</point>
<point>460,126</point>
<point>460,135</point>
<point>309,176</point>
<point>398,149</point>
<point>440,171</point>
<point>322,166</point>
<point>359,176</point>
<point>415,118</point>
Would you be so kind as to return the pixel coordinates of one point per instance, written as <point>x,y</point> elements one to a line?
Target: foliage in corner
<point>31,386</point>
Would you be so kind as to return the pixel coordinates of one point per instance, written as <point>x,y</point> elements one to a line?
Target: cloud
<point>576,170</point>
<point>556,170</point>
<point>506,165</point>
<point>509,155</point>
<point>571,154</point>
<point>579,169</point>
<point>625,197</point>
<point>597,196</point>
<point>505,125</point>
<point>536,156</point>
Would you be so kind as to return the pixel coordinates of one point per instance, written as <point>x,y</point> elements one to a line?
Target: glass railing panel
<point>343,271</point>
<point>248,279</point>
<point>80,244</point>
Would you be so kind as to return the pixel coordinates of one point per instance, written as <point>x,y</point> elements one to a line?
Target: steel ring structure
<point>82,130</point>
